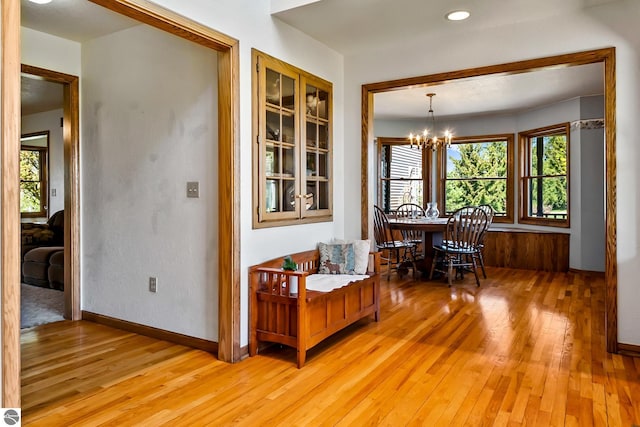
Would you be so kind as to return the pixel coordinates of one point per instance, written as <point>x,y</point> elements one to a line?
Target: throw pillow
<point>361,249</point>
<point>336,258</point>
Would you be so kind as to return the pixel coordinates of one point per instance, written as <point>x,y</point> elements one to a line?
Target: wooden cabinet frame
<point>292,144</point>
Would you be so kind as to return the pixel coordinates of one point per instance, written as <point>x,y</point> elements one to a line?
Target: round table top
<point>421,224</point>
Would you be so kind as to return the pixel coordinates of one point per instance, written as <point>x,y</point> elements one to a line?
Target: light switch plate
<point>153,284</point>
<point>193,189</point>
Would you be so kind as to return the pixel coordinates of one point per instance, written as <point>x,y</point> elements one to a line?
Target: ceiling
<point>339,25</point>
<point>76,20</point>
<point>355,26</point>
<point>485,95</point>
<point>38,96</point>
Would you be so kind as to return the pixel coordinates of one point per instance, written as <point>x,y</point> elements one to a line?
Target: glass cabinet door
<point>292,156</point>
<point>317,159</point>
<point>280,145</point>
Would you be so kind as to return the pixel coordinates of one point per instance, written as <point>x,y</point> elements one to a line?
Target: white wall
<point>149,126</point>
<point>592,190</point>
<point>613,24</point>
<point>249,21</point>
<point>50,52</point>
<point>50,120</point>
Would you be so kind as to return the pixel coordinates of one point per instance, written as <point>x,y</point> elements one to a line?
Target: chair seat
<point>396,244</point>
<point>456,249</point>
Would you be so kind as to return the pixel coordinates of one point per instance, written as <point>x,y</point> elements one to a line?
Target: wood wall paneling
<point>530,251</point>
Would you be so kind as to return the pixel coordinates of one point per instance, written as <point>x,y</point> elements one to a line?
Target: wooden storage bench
<point>304,319</point>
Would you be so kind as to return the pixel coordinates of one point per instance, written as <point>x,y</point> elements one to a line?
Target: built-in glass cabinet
<point>292,152</point>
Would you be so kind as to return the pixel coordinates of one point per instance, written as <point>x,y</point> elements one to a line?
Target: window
<point>33,181</point>
<point>293,152</point>
<point>401,173</point>
<point>477,171</point>
<point>544,166</point>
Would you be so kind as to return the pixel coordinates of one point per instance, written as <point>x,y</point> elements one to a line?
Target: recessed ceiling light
<point>457,15</point>
<point>40,1</point>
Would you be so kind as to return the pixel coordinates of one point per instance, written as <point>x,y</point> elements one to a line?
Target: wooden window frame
<point>441,170</point>
<point>524,175</point>
<point>427,156</point>
<point>300,215</point>
<point>44,175</point>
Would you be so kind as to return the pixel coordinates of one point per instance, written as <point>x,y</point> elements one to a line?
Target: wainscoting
<point>527,249</point>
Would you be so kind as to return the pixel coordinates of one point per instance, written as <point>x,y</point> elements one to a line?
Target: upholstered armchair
<point>37,235</point>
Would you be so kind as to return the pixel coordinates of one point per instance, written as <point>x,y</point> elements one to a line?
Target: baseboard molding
<point>174,337</point>
<point>594,273</point>
<point>244,352</point>
<point>629,350</point>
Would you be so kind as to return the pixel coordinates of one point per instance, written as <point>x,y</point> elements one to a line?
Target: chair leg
<point>450,271</point>
<point>433,266</point>
<point>482,264</point>
<point>475,270</point>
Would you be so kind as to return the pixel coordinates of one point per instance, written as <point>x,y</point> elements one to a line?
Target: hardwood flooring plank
<point>524,349</point>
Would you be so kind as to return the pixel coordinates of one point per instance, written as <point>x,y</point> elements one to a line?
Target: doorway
<point>228,160</point>
<point>605,56</point>
<point>71,183</point>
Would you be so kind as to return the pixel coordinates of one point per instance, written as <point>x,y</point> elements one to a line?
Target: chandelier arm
<point>423,140</point>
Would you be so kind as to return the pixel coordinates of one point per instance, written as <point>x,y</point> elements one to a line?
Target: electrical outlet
<point>153,284</point>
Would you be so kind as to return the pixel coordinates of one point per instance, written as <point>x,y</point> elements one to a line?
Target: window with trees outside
<point>401,173</point>
<point>544,169</point>
<point>476,171</point>
<point>33,181</point>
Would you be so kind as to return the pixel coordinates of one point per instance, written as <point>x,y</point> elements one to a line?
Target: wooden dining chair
<point>396,253</point>
<point>411,210</point>
<point>490,213</point>
<point>460,244</point>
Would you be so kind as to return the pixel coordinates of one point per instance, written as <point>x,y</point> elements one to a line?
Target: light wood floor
<point>526,348</point>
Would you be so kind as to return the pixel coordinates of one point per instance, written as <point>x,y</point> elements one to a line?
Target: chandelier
<point>425,139</point>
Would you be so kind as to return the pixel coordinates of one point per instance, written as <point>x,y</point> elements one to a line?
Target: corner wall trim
<point>149,331</point>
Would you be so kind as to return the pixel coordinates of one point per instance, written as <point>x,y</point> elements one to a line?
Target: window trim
<point>508,218</point>
<point>44,175</point>
<point>523,149</point>
<point>427,156</point>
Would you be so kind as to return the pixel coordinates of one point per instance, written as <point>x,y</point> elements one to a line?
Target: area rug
<point>40,305</point>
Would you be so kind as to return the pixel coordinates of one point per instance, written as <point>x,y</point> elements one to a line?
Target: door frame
<point>228,179</point>
<point>605,56</point>
<point>71,143</point>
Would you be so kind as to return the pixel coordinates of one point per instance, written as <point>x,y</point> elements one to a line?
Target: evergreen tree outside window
<point>476,171</point>
<point>544,160</point>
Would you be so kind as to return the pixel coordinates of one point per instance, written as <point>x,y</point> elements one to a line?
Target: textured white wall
<point>613,24</point>
<point>50,52</point>
<point>50,120</point>
<point>149,125</point>
<point>249,21</point>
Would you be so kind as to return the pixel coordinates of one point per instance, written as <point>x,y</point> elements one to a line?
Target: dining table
<point>432,231</point>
